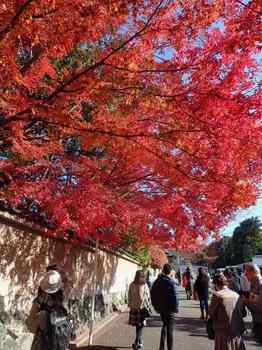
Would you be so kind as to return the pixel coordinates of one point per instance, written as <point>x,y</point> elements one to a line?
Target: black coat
<point>164,295</point>
<point>202,287</point>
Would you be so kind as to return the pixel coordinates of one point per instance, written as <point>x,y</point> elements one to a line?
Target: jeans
<point>204,305</point>
<point>167,332</point>
<point>139,335</point>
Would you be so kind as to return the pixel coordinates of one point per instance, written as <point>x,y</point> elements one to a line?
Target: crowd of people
<point>234,294</point>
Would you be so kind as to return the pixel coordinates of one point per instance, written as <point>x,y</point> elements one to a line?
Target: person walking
<point>201,288</point>
<point>178,276</point>
<point>188,283</point>
<point>48,319</point>
<point>165,301</point>
<point>253,301</point>
<point>173,275</point>
<point>139,302</point>
<point>227,311</point>
<point>232,280</point>
<point>244,283</point>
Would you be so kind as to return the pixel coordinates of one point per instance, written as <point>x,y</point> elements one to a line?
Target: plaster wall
<point>24,257</point>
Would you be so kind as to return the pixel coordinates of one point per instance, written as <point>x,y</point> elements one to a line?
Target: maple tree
<point>158,257</point>
<point>130,115</point>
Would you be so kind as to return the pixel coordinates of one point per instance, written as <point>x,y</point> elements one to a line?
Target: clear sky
<point>255,210</point>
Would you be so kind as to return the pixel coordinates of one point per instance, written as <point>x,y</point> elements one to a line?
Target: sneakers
<point>137,346</point>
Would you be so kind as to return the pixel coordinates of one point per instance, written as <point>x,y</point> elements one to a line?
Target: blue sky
<point>255,210</point>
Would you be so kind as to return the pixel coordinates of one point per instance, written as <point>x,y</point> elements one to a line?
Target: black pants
<point>167,333</point>
<point>188,293</point>
<point>139,335</point>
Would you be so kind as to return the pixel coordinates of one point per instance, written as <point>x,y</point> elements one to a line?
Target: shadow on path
<point>192,326</point>
<point>154,321</point>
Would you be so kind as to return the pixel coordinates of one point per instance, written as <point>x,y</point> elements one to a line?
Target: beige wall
<point>24,257</point>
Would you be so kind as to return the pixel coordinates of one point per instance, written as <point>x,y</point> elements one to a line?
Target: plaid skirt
<point>136,317</point>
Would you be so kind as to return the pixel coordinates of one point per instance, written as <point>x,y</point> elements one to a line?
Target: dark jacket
<point>164,295</point>
<point>201,287</point>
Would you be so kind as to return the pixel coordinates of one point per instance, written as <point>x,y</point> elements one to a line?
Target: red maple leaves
<point>129,114</point>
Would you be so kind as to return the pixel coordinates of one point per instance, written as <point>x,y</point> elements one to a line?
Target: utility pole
<point>94,287</point>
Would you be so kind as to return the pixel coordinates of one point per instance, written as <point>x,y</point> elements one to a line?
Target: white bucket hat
<point>51,282</point>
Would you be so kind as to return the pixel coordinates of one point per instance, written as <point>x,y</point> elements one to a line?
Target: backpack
<point>155,296</point>
<point>60,329</point>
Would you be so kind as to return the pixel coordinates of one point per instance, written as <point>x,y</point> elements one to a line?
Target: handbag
<point>210,329</point>
<point>144,313</point>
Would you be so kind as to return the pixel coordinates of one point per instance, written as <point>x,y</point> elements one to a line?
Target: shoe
<point>138,346</point>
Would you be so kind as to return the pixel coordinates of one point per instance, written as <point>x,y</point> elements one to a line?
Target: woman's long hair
<point>139,275</point>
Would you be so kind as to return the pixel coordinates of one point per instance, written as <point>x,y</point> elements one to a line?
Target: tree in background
<point>247,240</point>
<point>224,253</point>
<point>243,245</point>
<point>119,114</point>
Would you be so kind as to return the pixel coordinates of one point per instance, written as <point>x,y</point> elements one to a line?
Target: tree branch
<point>14,20</point>
<point>103,60</point>
<point>171,165</point>
<point>69,81</point>
<point>141,71</point>
<point>249,7</point>
<point>136,180</point>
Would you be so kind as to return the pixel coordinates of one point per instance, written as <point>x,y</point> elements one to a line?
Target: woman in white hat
<point>50,294</point>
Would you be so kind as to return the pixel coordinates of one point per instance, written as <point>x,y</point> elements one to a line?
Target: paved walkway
<point>190,332</point>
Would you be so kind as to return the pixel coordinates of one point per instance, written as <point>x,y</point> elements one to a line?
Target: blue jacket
<point>164,295</point>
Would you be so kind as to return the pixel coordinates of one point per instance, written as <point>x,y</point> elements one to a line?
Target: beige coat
<point>226,310</point>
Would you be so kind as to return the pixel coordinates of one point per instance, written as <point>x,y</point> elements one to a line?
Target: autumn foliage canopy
<point>130,116</point>
<point>158,257</point>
